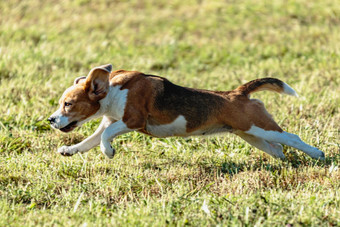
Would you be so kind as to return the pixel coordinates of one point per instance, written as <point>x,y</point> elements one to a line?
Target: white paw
<point>67,150</point>
<point>107,149</point>
<point>276,150</point>
<point>317,154</point>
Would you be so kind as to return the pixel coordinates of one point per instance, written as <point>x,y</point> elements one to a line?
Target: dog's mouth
<point>69,127</point>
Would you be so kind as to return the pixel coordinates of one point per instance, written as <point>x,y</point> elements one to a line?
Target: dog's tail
<point>269,84</point>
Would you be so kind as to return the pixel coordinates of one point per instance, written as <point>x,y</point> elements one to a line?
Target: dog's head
<point>80,102</point>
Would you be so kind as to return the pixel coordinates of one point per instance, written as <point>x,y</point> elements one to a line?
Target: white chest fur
<point>114,103</point>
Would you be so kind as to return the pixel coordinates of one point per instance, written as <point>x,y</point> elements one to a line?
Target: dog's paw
<point>276,150</point>
<point>67,150</point>
<point>318,155</point>
<point>107,149</point>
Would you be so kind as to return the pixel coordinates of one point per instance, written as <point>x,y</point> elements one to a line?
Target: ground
<point>198,181</point>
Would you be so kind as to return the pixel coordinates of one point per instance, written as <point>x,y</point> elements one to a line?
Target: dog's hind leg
<point>89,143</point>
<point>288,139</point>
<point>263,126</point>
<point>273,149</point>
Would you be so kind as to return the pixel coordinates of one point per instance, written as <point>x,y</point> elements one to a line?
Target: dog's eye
<point>67,104</point>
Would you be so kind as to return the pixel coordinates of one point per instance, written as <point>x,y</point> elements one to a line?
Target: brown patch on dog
<point>81,106</point>
<point>97,84</point>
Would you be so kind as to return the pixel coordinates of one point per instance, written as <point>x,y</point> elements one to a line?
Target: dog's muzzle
<point>67,128</point>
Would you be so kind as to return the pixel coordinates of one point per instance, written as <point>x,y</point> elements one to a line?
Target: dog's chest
<point>115,102</point>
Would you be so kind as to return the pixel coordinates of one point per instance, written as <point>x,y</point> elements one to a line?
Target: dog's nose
<point>51,119</point>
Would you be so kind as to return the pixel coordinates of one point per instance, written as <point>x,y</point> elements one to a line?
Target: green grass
<point>217,45</point>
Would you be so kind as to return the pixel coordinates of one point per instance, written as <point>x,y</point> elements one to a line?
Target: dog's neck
<point>113,104</point>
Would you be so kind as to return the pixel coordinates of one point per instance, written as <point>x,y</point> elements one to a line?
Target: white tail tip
<point>288,90</point>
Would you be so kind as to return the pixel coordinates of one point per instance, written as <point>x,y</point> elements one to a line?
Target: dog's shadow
<point>293,161</point>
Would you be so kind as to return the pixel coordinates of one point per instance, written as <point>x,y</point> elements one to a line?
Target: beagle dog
<point>133,101</point>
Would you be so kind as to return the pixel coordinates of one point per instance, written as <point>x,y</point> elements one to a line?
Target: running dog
<point>133,101</point>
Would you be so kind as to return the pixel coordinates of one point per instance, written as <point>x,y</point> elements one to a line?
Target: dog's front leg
<point>89,143</point>
<point>115,129</point>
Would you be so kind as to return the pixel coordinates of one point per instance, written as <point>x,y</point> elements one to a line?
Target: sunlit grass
<point>217,45</point>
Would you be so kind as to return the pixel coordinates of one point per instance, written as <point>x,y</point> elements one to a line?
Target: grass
<point>195,181</point>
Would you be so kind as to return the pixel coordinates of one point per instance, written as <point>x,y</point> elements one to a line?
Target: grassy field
<point>194,181</point>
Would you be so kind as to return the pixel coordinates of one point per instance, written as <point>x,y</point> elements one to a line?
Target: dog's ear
<point>107,67</point>
<point>97,82</point>
<point>76,81</point>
